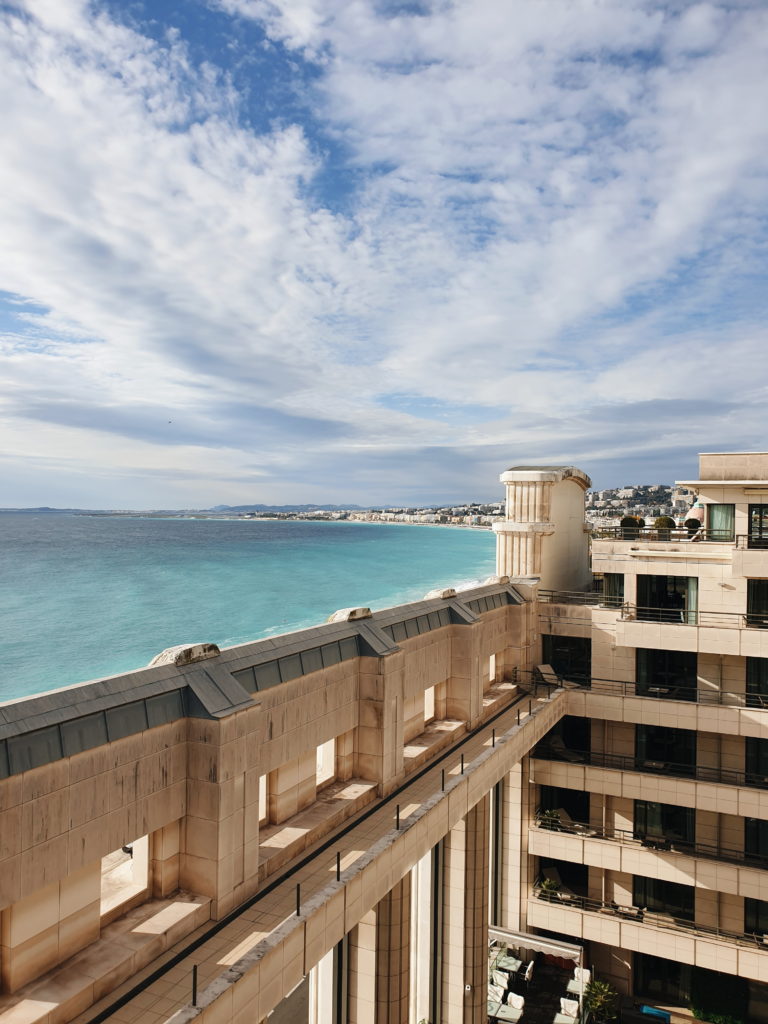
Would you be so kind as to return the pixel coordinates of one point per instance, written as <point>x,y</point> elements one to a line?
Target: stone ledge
<point>437,735</point>
<point>125,947</point>
<point>279,844</point>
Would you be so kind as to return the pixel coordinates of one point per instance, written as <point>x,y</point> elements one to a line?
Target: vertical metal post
<point>442,779</point>
<point>493,738</point>
<point>462,764</point>
<point>397,817</point>
<point>338,865</point>
<point>518,716</point>
<point>298,899</point>
<point>194,984</point>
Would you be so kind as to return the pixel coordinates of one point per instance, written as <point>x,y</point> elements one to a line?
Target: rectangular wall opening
<point>124,878</point>
<point>326,763</point>
<point>429,705</point>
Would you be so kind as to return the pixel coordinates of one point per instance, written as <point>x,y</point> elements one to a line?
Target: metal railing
<point>678,534</point>
<point>667,921</point>
<point>754,543</point>
<point>688,617</point>
<point>662,843</point>
<point>649,766</point>
<point>675,691</point>
<point>577,597</point>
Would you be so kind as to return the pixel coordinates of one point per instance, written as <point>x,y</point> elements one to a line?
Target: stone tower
<point>543,533</point>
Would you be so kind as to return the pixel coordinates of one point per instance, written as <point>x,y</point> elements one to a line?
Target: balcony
<point>640,930</point>
<point>563,824</point>
<point>628,763</point>
<point>692,617</point>
<point>581,597</point>
<point>672,691</point>
<point>677,536</point>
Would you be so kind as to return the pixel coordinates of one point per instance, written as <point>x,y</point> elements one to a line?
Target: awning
<point>538,943</point>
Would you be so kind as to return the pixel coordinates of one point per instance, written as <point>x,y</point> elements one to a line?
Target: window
<point>668,599</point>
<point>756,838</point>
<point>569,656</point>
<point>659,748</point>
<point>758,526</point>
<point>670,674</point>
<point>720,522</point>
<point>755,917</point>
<point>663,897</point>
<point>665,821</point>
<point>756,760</point>
<point>757,603</point>
<point>757,682</point>
<point>613,589</point>
<point>663,981</point>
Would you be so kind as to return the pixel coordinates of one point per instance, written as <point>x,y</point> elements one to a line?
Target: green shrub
<point>664,523</point>
<point>601,999</point>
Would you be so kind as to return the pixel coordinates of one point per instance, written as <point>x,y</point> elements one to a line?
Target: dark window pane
<point>126,720</point>
<point>267,675</point>
<point>663,897</point>
<point>83,734</point>
<point>311,661</point>
<point>34,749</point>
<point>758,526</point>
<point>670,674</point>
<point>167,707</point>
<point>757,603</point>
<point>755,917</point>
<point>569,656</point>
<point>399,632</point>
<point>348,647</point>
<point>290,667</point>
<point>331,655</point>
<point>756,760</point>
<point>662,747</point>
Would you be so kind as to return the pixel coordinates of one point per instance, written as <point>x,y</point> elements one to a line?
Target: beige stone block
<point>80,889</point>
<point>29,959</point>
<point>47,779</point>
<point>88,799</point>
<point>10,881</point>
<point>44,864</point>
<point>79,930</point>
<point>10,792</point>
<point>198,874</point>
<point>10,832</point>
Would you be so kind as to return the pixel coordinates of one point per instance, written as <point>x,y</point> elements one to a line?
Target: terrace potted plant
<point>549,890</point>
<point>601,999</point>
<point>630,527</point>
<point>664,526</point>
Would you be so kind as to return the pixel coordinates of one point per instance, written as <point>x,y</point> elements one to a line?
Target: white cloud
<point>538,202</point>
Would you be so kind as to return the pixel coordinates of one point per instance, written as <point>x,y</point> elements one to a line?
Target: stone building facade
<point>336,825</point>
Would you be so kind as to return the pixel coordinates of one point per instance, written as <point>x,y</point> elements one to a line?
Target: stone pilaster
<point>465,919</point>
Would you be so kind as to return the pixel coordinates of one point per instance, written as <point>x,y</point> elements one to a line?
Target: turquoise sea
<point>83,597</point>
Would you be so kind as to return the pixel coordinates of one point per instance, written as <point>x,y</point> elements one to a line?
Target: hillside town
<point>604,508</point>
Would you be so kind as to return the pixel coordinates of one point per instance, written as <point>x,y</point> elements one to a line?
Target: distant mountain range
<point>285,508</point>
<point>184,511</point>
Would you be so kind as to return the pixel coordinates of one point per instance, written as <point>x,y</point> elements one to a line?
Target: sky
<point>371,251</point>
